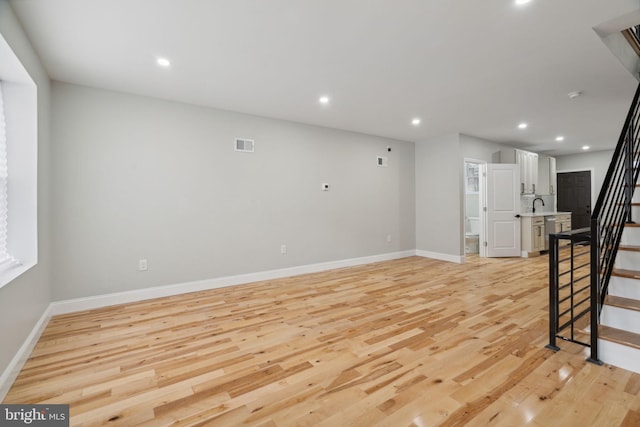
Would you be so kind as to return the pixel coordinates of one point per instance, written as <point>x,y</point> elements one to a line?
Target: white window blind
<point>6,260</point>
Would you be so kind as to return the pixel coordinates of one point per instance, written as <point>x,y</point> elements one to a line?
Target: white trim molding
<point>13,368</point>
<point>458,259</point>
<point>99,301</point>
<point>78,304</point>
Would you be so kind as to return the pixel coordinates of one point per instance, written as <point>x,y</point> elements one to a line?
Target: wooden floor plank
<point>408,342</point>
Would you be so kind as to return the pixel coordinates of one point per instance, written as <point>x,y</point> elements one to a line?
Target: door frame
<point>464,207</point>
<point>593,185</point>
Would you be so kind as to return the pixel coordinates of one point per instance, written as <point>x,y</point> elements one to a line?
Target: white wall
<point>136,177</point>
<point>439,202</point>
<point>24,300</point>
<point>480,149</point>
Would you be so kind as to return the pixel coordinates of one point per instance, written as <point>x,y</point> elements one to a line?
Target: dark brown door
<point>574,195</point>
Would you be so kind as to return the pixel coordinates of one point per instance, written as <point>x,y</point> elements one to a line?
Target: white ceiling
<point>469,66</point>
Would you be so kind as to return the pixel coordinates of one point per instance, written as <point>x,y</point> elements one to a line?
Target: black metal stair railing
<point>632,35</point>
<point>569,286</point>
<point>611,211</point>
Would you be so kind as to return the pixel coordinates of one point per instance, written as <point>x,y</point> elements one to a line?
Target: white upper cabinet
<point>546,175</point>
<point>553,178</point>
<point>528,168</point>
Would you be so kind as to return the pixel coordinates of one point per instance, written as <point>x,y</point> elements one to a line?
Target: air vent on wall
<point>245,145</point>
<point>382,161</point>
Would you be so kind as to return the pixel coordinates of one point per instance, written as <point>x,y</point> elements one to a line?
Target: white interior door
<point>502,210</point>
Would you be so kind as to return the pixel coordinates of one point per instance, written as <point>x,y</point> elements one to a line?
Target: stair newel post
<point>553,291</point>
<point>595,290</point>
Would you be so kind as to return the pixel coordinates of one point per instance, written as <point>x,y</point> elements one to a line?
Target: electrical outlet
<point>283,249</point>
<point>142,265</point>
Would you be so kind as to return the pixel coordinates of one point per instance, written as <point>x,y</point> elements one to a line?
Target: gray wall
<point>136,177</point>
<point>480,149</point>
<point>23,301</point>
<point>439,202</point>
<point>597,161</point>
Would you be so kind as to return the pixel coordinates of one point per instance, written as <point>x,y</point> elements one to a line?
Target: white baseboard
<point>13,369</point>
<point>458,259</point>
<point>98,301</point>
<point>69,306</point>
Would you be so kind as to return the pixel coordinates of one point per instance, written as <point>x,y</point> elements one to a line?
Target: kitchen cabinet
<point>563,222</point>
<point>528,168</point>
<point>532,235</point>
<point>546,175</point>
<point>558,223</point>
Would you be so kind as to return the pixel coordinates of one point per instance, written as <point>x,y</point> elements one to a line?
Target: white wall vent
<point>245,145</point>
<point>382,161</point>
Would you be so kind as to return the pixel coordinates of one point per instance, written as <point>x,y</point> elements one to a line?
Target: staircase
<point>619,330</point>
<point>594,285</point>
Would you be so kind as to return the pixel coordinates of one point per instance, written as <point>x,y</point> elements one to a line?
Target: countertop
<point>531,214</point>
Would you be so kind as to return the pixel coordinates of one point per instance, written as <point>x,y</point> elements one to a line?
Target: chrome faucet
<point>533,207</point>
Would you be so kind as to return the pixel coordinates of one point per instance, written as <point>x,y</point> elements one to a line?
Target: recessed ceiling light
<point>522,126</point>
<point>522,2</point>
<point>573,95</point>
<point>585,147</point>
<point>323,100</point>
<point>163,62</point>
<point>559,138</point>
<point>416,121</point>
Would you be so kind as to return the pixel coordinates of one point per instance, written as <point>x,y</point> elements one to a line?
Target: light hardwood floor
<point>410,342</point>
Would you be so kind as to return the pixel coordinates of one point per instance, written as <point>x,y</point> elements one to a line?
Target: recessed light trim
<point>559,138</point>
<point>324,100</point>
<point>585,147</point>
<point>416,121</point>
<point>573,95</point>
<point>163,62</point>
<point>521,2</point>
<point>522,125</point>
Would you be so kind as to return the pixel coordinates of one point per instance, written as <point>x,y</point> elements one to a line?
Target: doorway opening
<point>574,195</point>
<point>472,206</point>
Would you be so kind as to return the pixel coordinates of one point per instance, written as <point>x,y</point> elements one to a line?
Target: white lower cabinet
<point>532,235</point>
<point>565,222</point>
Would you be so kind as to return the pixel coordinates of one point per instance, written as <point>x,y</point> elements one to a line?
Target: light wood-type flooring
<point>409,342</point>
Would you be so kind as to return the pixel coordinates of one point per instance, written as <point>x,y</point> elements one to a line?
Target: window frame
<point>20,99</point>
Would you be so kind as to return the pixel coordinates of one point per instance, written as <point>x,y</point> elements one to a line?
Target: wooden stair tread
<point>627,303</point>
<point>630,274</point>
<point>619,336</point>
<point>632,248</point>
<point>625,224</point>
